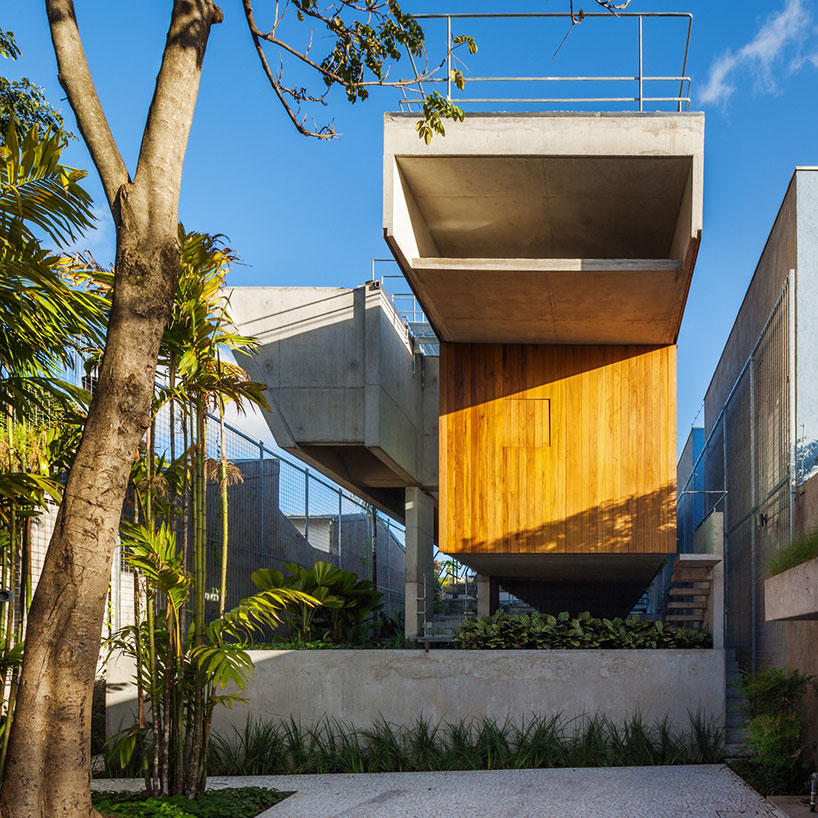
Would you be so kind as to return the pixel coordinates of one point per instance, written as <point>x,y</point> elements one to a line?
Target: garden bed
<point>239,802</point>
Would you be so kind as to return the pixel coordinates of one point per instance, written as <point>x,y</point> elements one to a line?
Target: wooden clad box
<point>557,449</point>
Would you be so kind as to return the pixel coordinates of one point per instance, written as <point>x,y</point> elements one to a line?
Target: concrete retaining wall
<point>793,594</point>
<point>360,686</point>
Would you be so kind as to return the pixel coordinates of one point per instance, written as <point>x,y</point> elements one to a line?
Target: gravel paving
<point>710,791</point>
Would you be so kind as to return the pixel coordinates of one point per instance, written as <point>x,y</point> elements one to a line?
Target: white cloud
<point>758,57</point>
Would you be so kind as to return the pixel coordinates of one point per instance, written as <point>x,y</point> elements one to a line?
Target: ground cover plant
<point>582,632</point>
<point>267,747</point>
<point>799,550</point>
<point>779,764</point>
<point>240,802</point>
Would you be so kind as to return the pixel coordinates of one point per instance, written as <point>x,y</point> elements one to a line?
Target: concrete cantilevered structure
<point>552,254</point>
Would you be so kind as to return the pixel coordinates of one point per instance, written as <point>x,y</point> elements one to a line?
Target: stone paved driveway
<point>626,792</point>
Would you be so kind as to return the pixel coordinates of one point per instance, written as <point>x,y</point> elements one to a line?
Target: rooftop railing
<point>642,97</point>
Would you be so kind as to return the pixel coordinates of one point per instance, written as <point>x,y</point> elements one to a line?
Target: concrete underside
<point>604,584</point>
<point>551,228</point>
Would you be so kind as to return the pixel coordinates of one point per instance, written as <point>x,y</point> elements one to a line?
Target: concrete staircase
<point>735,733</point>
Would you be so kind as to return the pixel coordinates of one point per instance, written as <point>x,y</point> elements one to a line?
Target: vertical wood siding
<point>564,449</point>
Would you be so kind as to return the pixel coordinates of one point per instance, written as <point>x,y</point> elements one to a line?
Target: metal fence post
<point>262,498</point>
<point>754,516</point>
<point>306,518</point>
<point>388,571</point>
<point>340,521</point>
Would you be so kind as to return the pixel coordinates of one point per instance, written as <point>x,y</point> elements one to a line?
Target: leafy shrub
<point>241,802</point>
<point>266,747</point>
<point>800,550</point>
<point>773,699</point>
<point>564,632</point>
<point>347,603</point>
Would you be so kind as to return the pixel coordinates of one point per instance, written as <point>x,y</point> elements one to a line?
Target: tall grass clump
<point>265,747</point>
<point>798,551</point>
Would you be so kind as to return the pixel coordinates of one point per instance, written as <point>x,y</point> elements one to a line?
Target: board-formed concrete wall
<point>361,686</point>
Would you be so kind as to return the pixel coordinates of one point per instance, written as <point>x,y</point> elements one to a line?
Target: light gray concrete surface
<point>360,687</point>
<point>793,594</point>
<point>710,791</point>
<point>792,806</point>
<point>347,392</point>
<point>548,228</point>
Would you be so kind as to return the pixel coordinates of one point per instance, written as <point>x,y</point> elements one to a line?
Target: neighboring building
<point>552,254</point>
<point>758,460</point>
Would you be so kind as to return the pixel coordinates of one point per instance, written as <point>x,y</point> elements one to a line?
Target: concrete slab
<point>792,806</point>
<point>631,792</point>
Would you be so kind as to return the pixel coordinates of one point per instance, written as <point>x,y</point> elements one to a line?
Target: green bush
<point>241,802</point>
<point>773,699</point>
<point>347,603</point>
<point>266,747</point>
<point>800,550</point>
<point>564,632</point>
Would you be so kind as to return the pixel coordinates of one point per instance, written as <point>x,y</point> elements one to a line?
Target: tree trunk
<point>48,765</point>
<point>48,768</point>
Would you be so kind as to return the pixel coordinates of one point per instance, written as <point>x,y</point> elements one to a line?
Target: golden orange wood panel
<point>563,449</point>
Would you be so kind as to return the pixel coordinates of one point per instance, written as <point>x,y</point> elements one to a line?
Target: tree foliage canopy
<point>23,101</point>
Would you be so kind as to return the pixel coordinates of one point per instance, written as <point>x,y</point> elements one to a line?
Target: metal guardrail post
<point>449,58</point>
<point>641,73</point>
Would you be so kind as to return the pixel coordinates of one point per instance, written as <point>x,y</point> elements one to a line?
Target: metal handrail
<point>682,100</point>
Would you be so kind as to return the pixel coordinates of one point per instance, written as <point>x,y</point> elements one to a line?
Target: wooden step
<point>683,574</point>
<point>705,592</point>
<point>699,605</point>
<point>691,617</point>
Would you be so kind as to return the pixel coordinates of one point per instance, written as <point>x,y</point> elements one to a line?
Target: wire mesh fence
<point>279,511</point>
<point>744,473</point>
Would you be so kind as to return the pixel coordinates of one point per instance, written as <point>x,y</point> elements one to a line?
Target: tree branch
<point>75,78</point>
<point>164,141</point>
<point>326,132</point>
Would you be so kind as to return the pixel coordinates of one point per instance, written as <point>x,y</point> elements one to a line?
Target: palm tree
<point>44,318</point>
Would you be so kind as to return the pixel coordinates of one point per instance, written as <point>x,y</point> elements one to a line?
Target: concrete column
<point>420,524</point>
<point>488,595</point>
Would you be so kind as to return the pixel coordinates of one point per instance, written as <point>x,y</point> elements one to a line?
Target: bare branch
<point>576,19</point>
<point>326,132</point>
<point>75,78</point>
<point>303,56</point>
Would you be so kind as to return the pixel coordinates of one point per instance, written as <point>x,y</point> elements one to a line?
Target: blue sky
<point>306,212</point>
